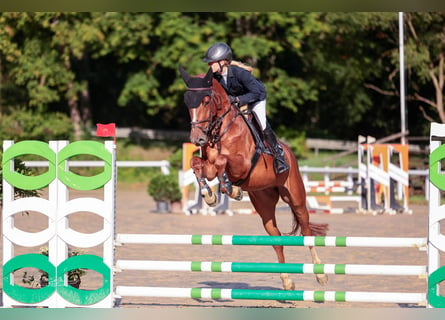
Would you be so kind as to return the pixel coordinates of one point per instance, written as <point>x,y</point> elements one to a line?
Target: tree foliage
<point>22,124</point>
<point>327,74</point>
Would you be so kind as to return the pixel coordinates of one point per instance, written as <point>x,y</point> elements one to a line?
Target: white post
<point>402,79</point>
<point>7,223</point>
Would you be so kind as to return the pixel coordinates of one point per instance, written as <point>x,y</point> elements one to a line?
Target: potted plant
<point>74,276</point>
<point>164,189</point>
<point>176,197</point>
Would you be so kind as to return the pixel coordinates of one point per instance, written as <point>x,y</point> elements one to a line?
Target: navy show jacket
<point>242,84</point>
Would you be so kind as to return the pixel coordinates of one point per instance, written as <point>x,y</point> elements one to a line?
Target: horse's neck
<point>233,126</point>
<point>236,137</point>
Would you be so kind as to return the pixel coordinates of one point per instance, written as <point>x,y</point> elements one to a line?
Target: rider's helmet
<point>218,51</point>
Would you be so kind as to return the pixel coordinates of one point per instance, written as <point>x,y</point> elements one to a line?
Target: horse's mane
<point>219,88</point>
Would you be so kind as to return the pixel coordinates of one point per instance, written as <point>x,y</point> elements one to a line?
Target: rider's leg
<point>280,164</point>
<point>260,111</point>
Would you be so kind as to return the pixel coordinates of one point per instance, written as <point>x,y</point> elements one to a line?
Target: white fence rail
<point>164,165</point>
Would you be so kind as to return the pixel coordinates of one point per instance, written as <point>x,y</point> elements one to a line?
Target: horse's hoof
<point>237,194</point>
<point>210,198</point>
<point>288,284</point>
<point>322,279</point>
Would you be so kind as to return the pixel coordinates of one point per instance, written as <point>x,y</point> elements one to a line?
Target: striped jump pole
<point>299,268</point>
<point>329,241</point>
<point>316,296</point>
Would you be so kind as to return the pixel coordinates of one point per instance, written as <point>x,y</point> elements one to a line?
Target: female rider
<point>244,89</point>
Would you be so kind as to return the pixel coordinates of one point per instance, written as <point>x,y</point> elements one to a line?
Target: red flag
<point>106,130</point>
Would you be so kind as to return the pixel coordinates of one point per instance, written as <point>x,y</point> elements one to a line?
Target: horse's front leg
<point>226,185</point>
<point>210,197</point>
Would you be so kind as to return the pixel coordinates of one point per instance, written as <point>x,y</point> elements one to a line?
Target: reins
<point>213,130</point>
<point>216,126</point>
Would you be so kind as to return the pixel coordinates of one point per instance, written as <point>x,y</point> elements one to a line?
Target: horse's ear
<point>185,76</point>
<point>208,77</point>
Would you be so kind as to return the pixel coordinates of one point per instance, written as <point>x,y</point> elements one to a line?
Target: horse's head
<point>200,100</point>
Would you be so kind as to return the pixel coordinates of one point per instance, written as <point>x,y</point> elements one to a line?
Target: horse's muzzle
<point>199,140</point>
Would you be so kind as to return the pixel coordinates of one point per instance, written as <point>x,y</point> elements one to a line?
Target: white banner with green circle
<point>436,240</point>
<point>60,181</point>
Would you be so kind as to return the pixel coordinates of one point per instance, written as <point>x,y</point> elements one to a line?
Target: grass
<point>328,159</point>
<point>139,177</point>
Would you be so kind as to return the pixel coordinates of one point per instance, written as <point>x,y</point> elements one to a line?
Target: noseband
<point>212,131</point>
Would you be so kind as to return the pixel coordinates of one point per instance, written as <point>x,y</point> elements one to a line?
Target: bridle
<point>213,129</point>
<point>197,124</point>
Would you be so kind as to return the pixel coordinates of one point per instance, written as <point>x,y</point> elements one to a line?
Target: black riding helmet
<point>218,51</point>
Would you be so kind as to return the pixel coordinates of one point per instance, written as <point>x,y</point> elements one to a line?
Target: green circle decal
<point>29,182</point>
<point>76,181</point>
<point>29,295</point>
<point>56,279</point>
<point>437,301</point>
<point>436,177</point>
<point>82,297</point>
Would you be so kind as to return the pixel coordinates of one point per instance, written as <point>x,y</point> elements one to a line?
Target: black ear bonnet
<point>197,88</point>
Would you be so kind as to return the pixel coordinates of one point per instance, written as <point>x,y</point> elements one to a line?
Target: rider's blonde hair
<point>241,65</point>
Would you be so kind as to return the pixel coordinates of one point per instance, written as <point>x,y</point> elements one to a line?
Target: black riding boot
<point>279,163</point>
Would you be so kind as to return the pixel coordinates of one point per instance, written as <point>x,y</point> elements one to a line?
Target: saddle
<point>257,134</point>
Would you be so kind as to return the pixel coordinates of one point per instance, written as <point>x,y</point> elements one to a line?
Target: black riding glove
<point>234,101</point>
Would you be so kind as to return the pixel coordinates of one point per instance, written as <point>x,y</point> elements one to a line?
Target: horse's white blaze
<point>193,115</point>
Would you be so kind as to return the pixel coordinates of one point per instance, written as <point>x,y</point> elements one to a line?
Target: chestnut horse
<point>227,150</point>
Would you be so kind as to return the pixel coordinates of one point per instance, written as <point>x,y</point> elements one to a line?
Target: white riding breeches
<point>260,110</point>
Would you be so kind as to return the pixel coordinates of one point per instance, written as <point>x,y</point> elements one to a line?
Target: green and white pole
<point>298,268</point>
<point>271,240</point>
<point>300,295</point>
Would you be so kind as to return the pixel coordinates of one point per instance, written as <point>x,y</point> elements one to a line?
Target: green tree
<point>425,56</point>
<point>424,63</point>
<point>327,74</point>
<point>40,51</point>
<point>340,62</point>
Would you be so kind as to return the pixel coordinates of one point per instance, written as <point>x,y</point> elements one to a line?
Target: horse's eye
<point>206,100</point>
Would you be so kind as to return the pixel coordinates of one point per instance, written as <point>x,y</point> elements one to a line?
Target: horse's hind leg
<point>264,202</point>
<point>321,278</point>
<point>301,215</point>
<point>294,194</point>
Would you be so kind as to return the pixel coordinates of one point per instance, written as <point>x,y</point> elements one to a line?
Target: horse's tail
<point>317,229</point>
